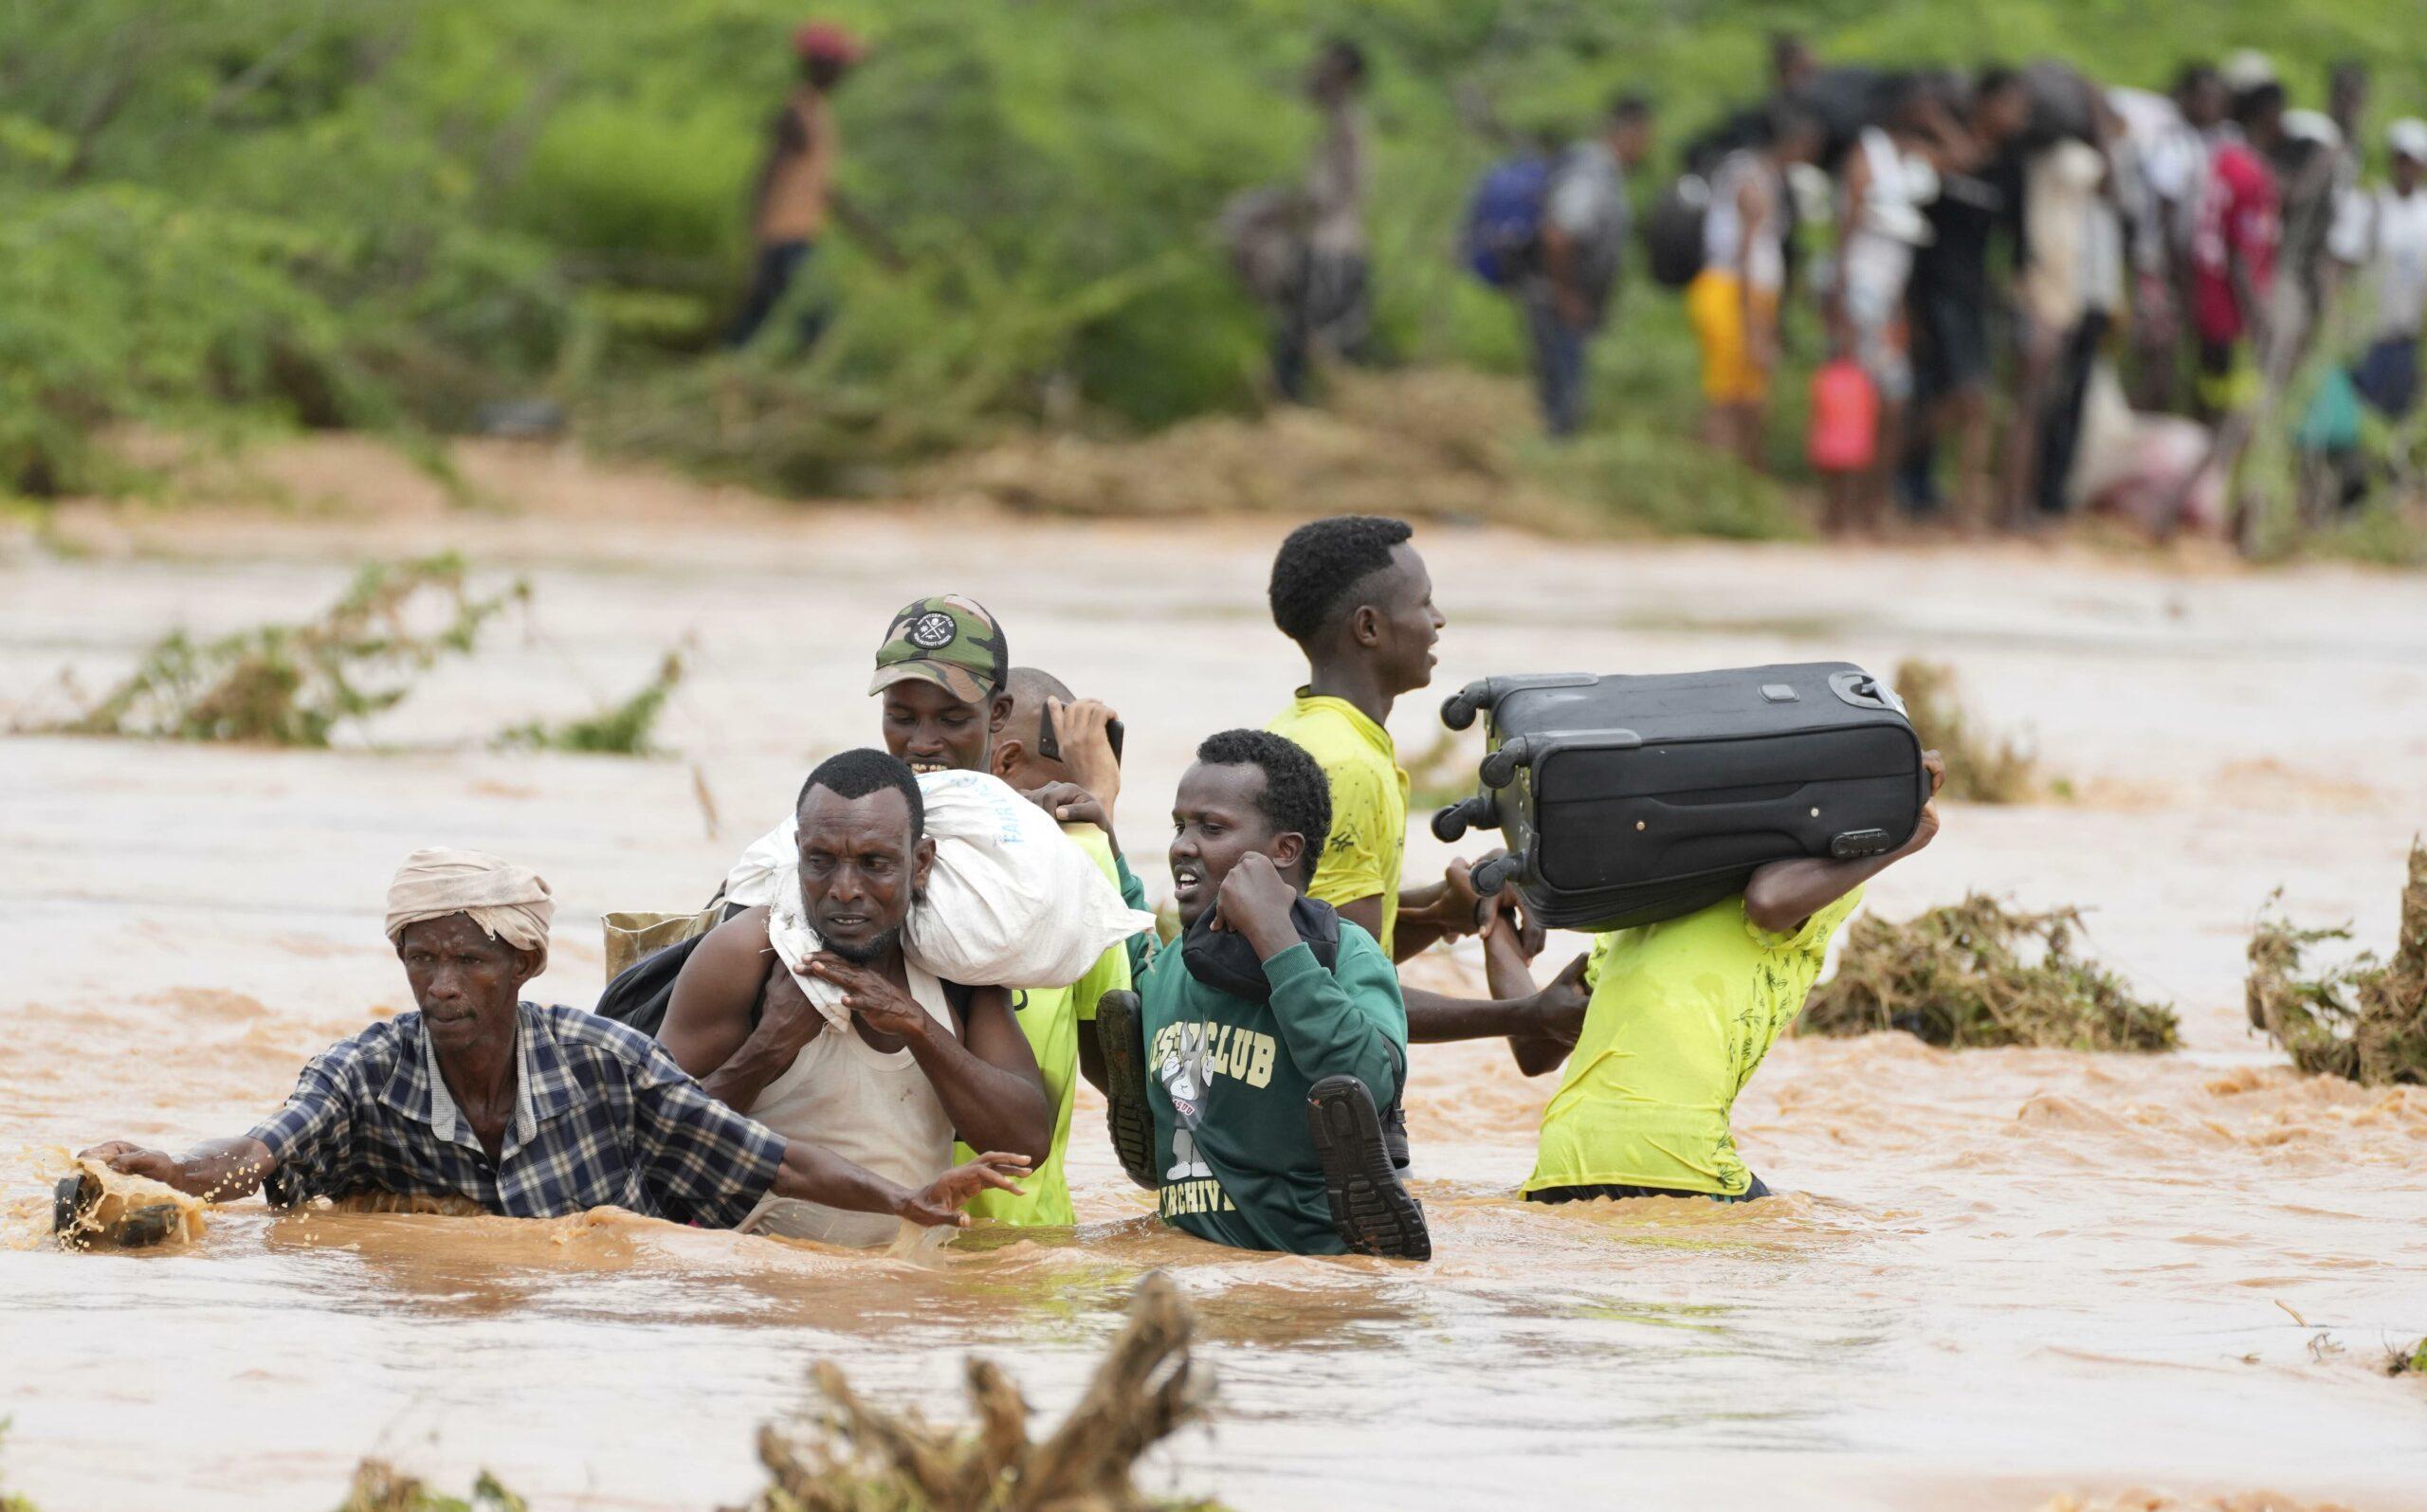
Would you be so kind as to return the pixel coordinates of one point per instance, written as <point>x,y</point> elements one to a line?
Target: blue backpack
<point>1505,219</point>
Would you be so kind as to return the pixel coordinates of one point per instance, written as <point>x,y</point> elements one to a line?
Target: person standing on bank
<point>794,198</point>
<point>1587,220</point>
<point>1325,308</point>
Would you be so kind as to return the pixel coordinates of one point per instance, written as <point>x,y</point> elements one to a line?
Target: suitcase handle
<point>1490,876</point>
<point>1498,769</point>
<point>1482,810</point>
<point>1458,710</point>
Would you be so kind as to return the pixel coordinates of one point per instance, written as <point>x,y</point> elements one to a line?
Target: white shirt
<point>2387,232</point>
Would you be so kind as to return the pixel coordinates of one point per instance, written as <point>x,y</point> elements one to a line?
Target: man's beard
<point>875,948</point>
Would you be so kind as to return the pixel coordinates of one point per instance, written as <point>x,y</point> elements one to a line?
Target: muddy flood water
<point>1994,1278</point>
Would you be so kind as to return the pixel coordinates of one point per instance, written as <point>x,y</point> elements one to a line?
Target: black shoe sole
<point>1125,1113</point>
<point>1374,1213</point>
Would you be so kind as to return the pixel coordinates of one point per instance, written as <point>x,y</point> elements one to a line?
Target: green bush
<point>304,213</point>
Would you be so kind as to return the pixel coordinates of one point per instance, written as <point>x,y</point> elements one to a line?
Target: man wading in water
<point>1683,1013</point>
<point>952,703</point>
<point>1274,1030</point>
<point>906,1060</point>
<point>1355,597</point>
<point>530,1112</point>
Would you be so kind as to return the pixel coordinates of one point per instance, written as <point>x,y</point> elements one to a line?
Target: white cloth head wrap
<point>509,903</point>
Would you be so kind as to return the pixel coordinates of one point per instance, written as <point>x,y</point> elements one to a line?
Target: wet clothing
<point>874,1109</point>
<point>1051,1017</point>
<point>1615,1193</point>
<point>602,1115</point>
<point>1681,1014</point>
<point>1369,792</point>
<point>1228,1079</point>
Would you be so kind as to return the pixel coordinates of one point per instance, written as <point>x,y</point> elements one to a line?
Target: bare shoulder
<point>732,958</point>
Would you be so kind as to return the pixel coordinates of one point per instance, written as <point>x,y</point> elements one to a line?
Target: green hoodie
<point>1227,1078</point>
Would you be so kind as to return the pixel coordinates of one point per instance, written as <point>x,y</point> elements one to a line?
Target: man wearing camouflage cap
<point>944,673</point>
<point>953,702</point>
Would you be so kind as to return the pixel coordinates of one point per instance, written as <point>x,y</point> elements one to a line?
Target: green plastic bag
<point>2331,424</point>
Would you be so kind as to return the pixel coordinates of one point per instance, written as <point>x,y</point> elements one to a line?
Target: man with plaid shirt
<point>532,1112</point>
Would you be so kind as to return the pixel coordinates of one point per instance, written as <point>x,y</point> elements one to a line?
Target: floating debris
<point>294,684</point>
<point>2366,1021</point>
<point>862,1457</point>
<point>1976,975</point>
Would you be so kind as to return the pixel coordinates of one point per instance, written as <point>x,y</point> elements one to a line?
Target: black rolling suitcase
<point>1629,800</point>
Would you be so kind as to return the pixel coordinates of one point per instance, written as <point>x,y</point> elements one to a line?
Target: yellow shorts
<point>1715,304</point>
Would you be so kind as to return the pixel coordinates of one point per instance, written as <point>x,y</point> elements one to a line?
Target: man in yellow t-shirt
<point>1051,1017</point>
<point>1682,1013</point>
<point>1355,597</point>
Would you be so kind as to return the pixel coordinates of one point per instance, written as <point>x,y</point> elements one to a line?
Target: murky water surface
<point>1995,1276</point>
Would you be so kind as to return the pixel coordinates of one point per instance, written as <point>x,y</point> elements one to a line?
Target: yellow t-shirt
<point>1368,804</point>
<point>1051,1018</point>
<point>1682,1013</point>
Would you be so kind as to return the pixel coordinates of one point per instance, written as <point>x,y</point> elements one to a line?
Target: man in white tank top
<point>908,1063</point>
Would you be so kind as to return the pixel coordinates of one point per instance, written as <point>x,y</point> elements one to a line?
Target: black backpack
<point>1672,233</point>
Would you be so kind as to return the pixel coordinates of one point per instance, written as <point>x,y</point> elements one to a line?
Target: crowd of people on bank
<point>793,1062</point>
<point>2134,279</point>
<point>2037,294</point>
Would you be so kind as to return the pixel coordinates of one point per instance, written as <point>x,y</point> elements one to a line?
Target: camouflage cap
<point>948,640</point>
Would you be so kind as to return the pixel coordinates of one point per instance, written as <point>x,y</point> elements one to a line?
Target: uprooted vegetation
<point>295,684</point>
<point>2364,1020</point>
<point>1978,974</point>
<point>623,730</point>
<point>1980,768</point>
<point>855,1456</point>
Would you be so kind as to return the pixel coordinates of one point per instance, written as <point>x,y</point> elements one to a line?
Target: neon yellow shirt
<point>1681,1014</point>
<point>1051,1018</point>
<point>1368,804</point>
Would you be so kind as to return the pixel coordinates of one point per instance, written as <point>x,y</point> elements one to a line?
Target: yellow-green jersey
<point>1051,1018</point>
<point>1681,1016</point>
<point>1368,804</point>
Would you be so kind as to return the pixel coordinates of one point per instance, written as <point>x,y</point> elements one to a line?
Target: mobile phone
<point>1050,749</point>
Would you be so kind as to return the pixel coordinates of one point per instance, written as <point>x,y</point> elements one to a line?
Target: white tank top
<point>872,1107</point>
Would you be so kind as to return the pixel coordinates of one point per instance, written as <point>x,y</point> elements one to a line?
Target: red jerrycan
<point>1845,418</point>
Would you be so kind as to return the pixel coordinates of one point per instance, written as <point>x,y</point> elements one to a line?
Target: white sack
<point>1010,901</point>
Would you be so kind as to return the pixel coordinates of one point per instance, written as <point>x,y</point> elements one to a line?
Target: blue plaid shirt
<point>602,1115</point>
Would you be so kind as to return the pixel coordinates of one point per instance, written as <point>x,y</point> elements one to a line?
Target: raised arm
<point>1785,893</point>
<point>1329,1020</point>
<point>986,1076</point>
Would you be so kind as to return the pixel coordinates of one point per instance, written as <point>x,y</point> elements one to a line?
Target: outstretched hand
<point>136,1161</point>
<point>938,1204</point>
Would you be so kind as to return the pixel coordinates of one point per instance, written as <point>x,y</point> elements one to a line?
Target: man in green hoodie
<point>1273,1029</point>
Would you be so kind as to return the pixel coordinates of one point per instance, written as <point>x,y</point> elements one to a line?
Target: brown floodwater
<point>1995,1278</point>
